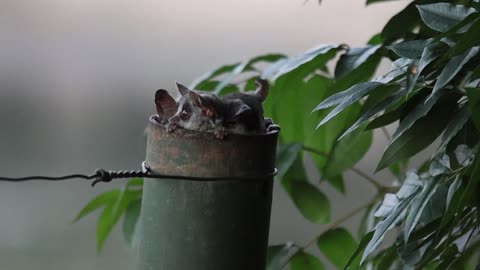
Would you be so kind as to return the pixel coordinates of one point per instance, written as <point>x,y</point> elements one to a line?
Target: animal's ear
<point>205,104</point>
<point>182,89</point>
<point>166,105</point>
<point>241,110</point>
<point>262,89</point>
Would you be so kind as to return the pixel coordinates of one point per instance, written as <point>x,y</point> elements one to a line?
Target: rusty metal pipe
<point>206,225</point>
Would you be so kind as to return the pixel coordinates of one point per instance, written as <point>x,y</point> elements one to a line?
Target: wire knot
<point>102,176</point>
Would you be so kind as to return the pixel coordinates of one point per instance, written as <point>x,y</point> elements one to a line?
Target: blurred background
<point>77,80</point>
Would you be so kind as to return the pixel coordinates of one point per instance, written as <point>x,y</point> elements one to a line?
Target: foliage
<point>432,92</point>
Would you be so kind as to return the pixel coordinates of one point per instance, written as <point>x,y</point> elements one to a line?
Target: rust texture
<point>192,153</point>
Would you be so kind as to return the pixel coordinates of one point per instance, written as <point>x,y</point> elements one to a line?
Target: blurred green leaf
<point>375,40</point>
<point>131,219</point>
<point>271,57</point>
<point>344,156</point>
<point>230,76</point>
<point>212,74</point>
<point>442,16</point>
<point>300,97</point>
<point>453,67</point>
<point>286,155</point>
<point>135,182</point>
<point>474,105</point>
<point>311,202</point>
<point>111,214</point>
<point>354,257</point>
<point>337,245</point>
<point>277,254</point>
<point>305,261</point>
<point>101,200</point>
<point>376,1</point>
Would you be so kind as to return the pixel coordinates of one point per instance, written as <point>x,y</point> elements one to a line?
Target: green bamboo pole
<point>206,225</point>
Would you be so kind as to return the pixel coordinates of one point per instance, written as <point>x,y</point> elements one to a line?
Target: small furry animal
<point>200,111</point>
<point>165,104</point>
<point>244,111</point>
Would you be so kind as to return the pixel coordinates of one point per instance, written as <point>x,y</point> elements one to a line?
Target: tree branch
<point>357,171</point>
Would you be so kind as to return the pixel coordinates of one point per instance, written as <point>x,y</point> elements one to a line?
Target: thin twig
<point>356,170</point>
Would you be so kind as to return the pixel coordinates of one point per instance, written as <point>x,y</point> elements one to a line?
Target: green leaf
<point>468,40</point>
<point>363,243</point>
<point>286,155</point>
<point>383,226</point>
<point>354,93</point>
<point>390,201</point>
<point>442,16</point>
<point>212,74</point>
<point>453,189</point>
<point>229,77</point>
<point>112,213</point>
<point>353,59</point>
<point>376,1</point>
<point>277,254</point>
<point>453,67</point>
<point>337,245</point>
<point>305,261</point>
<point>420,135</point>
<point>430,53</point>
<point>345,98</point>
<point>101,200</point>
<point>300,97</point>
<point>307,57</point>
<point>311,202</point>
<point>420,111</point>
<point>131,219</point>
<point>411,49</point>
<point>418,205</point>
<point>454,126</point>
<point>439,165</point>
<point>344,156</point>
<point>410,186</point>
<point>472,186</point>
<point>105,224</point>
<point>135,182</point>
<point>398,169</point>
<point>271,57</point>
<point>474,105</point>
<point>401,24</point>
<point>378,108</point>
<point>375,40</point>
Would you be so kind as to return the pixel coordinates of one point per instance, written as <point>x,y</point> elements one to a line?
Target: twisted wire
<point>102,175</point>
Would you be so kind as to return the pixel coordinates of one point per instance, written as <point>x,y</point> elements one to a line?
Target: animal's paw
<point>220,133</point>
<point>171,126</point>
